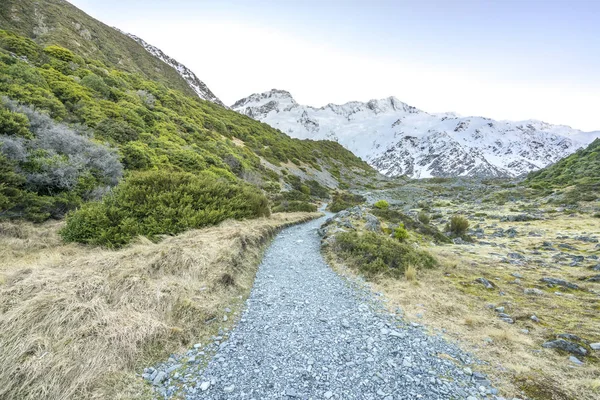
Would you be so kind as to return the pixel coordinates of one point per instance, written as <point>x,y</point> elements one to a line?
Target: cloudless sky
<point>503,59</point>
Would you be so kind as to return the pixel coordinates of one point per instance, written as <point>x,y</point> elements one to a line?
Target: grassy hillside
<point>580,168</point>
<point>57,22</point>
<point>580,171</point>
<point>73,127</point>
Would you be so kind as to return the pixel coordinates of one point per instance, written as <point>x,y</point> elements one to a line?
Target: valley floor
<point>530,277</point>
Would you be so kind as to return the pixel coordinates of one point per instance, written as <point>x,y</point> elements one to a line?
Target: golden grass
<point>410,273</point>
<point>76,322</point>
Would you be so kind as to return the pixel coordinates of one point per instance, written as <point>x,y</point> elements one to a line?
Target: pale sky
<point>503,59</point>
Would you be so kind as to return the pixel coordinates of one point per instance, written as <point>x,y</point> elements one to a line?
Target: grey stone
<point>160,377</point>
<point>575,360</point>
<point>229,389</point>
<point>565,345</point>
<point>485,282</point>
<point>372,223</point>
<point>559,282</point>
<point>533,292</point>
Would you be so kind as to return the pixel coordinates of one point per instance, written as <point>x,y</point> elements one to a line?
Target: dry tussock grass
<point>76,322</point>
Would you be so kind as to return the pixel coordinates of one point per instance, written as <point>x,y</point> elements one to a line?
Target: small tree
<point>423,218</point>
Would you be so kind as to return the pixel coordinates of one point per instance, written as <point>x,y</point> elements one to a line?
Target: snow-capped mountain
<point>398,139</point>
<point>196,84</point>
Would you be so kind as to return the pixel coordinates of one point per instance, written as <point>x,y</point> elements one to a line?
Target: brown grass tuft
<point>410,273</point>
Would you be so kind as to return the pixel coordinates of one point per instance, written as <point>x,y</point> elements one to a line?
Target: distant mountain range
<point>398,139</point>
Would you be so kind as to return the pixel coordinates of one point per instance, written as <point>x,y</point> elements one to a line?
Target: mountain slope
<point>579,169</point>
<point>196,84</point>
<point>398,139</point>
<point>57,22</point>
<point>70,125</point>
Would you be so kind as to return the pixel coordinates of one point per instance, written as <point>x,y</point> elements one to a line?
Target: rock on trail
<point>308,333</point>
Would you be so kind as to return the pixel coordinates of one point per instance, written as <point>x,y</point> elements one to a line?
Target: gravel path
<point>308,333</point>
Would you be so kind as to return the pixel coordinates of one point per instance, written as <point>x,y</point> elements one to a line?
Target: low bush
<point>423,218</point>
<point>458,225</point>
<point>58,166</point>
<point>401,233</point>
<point>375,254</point>
<point>153,203</point>
<point>396,217</point>
<point>294,206</point>
<point>344,200</point>
<point>382,205</point>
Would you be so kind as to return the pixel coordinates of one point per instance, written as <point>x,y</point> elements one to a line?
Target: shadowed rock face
<point>398,139</point>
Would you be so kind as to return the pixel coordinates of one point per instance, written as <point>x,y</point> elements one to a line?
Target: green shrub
<point>294,206</point>
<point>396,217</point>
<point>375,254</point>
<point>317,190</point>
<point>423,218</point>
<point>153,203</point>
<point>401,233</point>
<point>426,206</point>
<point>344,200</point>
<point>305,189</point>
<point>458,225</point>
<point>382,204</point>
<point>60,53</point>
<point>19,45</point>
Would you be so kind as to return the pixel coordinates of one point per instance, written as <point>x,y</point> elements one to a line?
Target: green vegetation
<point>423,218</point>
<point>294,206</point>
<point>56,22</point>
<point>71,127</point>
<point>375,255</point>
<point>580,172</point>
<point>397,217</point>
<point>401,233</point>
<point>580,168</point>
<point>382,204</point>
<point>344,200</point>
<point>458,225</point>
<point>153,203</point>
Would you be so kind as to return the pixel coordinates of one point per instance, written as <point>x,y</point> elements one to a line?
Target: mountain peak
<point>263,103</point>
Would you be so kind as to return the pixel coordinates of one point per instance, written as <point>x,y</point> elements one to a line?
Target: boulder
<point>565,345</point>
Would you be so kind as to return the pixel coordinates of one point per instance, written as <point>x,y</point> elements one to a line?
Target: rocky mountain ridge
<point>399,139</point>
<point>187,74</point>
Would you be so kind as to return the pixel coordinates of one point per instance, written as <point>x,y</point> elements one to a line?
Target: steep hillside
<point>398,139</point>
<point>72,127</point>
<point>57,22</point>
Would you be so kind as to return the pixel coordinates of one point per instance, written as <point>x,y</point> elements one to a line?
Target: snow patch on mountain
<point>398,139</point>
<point>195,83</point>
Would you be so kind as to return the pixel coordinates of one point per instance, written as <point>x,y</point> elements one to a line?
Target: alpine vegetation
<point>58,166</point>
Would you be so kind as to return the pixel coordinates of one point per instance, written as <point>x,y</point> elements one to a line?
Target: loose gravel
<point>308,333</point>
